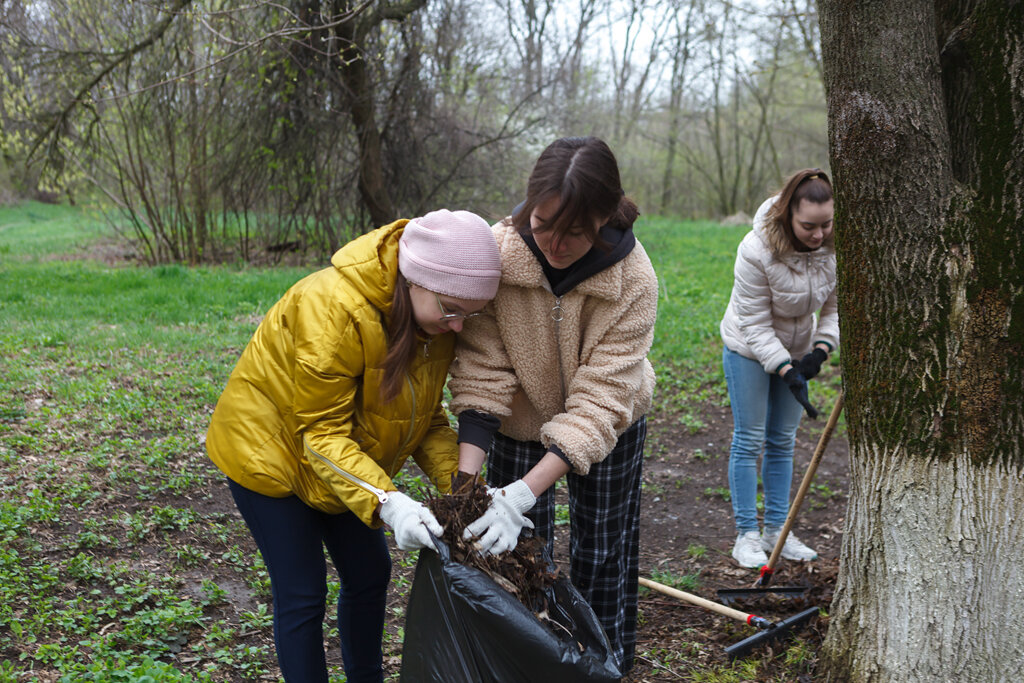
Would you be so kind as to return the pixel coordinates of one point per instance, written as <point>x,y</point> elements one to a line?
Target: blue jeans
<point>291,537</point>
<point>765,416</point>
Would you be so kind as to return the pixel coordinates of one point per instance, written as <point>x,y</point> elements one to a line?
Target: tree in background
<point>926,129</point>
<point>226,131</point>
<point>742,107</point>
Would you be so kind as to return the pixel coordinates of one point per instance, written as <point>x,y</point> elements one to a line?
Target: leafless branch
<point>154,35</point>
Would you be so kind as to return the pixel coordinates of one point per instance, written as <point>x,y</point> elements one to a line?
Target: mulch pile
<point>523,571</point>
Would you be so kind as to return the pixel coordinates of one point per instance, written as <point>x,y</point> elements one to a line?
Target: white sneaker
<point>792,549</point>
<point>747,550</point>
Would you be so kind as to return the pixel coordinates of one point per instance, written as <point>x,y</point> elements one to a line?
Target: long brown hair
<point>583,173</point>
<point>401,341</point>
<point>811,184</point>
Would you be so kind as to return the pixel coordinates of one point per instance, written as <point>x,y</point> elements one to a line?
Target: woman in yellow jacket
<point>339,385</point>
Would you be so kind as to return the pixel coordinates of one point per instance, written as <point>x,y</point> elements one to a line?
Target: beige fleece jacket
<point>570,371</point>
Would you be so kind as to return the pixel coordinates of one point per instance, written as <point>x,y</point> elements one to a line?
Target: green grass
<point>32,230</point>
<point>107,379</point>
<point>694,263</point>
<point>696,550</point>
<point>118,561</point>
<point>685,582</point>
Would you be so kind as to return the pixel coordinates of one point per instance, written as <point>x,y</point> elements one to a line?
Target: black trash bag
<point>462,627</point>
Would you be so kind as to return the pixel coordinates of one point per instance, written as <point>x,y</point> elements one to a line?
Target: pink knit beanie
<point>451,253</point>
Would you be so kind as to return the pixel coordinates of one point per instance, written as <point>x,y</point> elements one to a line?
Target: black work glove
<point>810,364</point>
<point>798,385</point>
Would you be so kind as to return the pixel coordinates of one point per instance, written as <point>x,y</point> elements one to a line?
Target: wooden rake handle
<point>752,619</point>
<point>794,508</point>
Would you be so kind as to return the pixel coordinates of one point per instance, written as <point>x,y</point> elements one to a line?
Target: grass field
<point>694,262</point>
<point>108,376</point>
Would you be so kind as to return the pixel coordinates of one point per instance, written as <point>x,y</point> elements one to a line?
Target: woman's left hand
<point>798,385</point>
<point>498,528</point>
<point>810,365</point>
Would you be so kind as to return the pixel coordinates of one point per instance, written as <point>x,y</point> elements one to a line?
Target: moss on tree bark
<point>926,130</point>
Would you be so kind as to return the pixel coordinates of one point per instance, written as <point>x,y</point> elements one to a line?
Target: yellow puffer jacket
<point>302,414</point>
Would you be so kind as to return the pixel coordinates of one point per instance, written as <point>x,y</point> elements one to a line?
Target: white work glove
<point>411,521</point>
<point>498,528</point>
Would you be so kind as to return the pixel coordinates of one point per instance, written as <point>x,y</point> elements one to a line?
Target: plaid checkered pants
<point>604,527</point>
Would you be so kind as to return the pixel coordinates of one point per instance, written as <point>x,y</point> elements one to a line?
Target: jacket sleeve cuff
<point>477,428</point>
<point>553,448</point>
<point>826,343</point>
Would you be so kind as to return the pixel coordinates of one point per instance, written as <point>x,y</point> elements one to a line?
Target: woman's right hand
<point>798,385</point>
<point>412,522</point>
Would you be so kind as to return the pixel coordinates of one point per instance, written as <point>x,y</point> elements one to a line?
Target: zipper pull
<point>556,310</point>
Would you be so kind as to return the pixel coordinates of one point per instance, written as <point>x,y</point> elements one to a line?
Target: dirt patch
<point>687,529</point>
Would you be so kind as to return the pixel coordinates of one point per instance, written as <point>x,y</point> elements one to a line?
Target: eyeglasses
<point>445,315</point>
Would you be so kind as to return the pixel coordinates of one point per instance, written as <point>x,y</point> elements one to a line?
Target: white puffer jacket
<point>775,294</point>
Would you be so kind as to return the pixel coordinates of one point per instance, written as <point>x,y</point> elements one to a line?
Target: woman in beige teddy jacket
<point>553,379</point>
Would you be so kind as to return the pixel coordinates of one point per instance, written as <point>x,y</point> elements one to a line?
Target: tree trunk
<point>362,98</point>
<point>926,132</point>
<point>372,184</point>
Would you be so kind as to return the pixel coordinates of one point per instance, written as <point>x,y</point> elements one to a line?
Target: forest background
<point>271,133</point>
<point>218,132</point>
<point>268,133</point>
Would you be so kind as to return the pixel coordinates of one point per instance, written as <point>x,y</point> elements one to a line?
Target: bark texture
<point>926,133</point>
<point>363,96</point>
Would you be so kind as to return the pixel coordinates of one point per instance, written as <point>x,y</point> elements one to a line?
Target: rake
<point>770,631</point>
<point>761,587</point>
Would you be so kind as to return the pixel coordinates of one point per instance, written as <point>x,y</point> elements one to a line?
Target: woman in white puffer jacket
<point>774,342</point>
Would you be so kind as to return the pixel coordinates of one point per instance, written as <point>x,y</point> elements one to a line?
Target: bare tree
<point>762,155</point>
<point>258,128</point>
<point>805,17</point>
<point>680,45</point>
<point>528,28</point>
<point>573,59</point>
<point>351,61</point>
<point>714,154</point>
<point>632,73</point>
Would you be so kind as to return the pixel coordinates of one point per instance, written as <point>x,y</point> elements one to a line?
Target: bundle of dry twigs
<point>521,571</point>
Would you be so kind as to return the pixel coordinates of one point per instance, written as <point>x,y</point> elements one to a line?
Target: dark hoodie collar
<point>563,280</point>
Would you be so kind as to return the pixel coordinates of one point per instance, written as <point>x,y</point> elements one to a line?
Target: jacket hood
<point>369,264</point>
<point>620,242</point>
